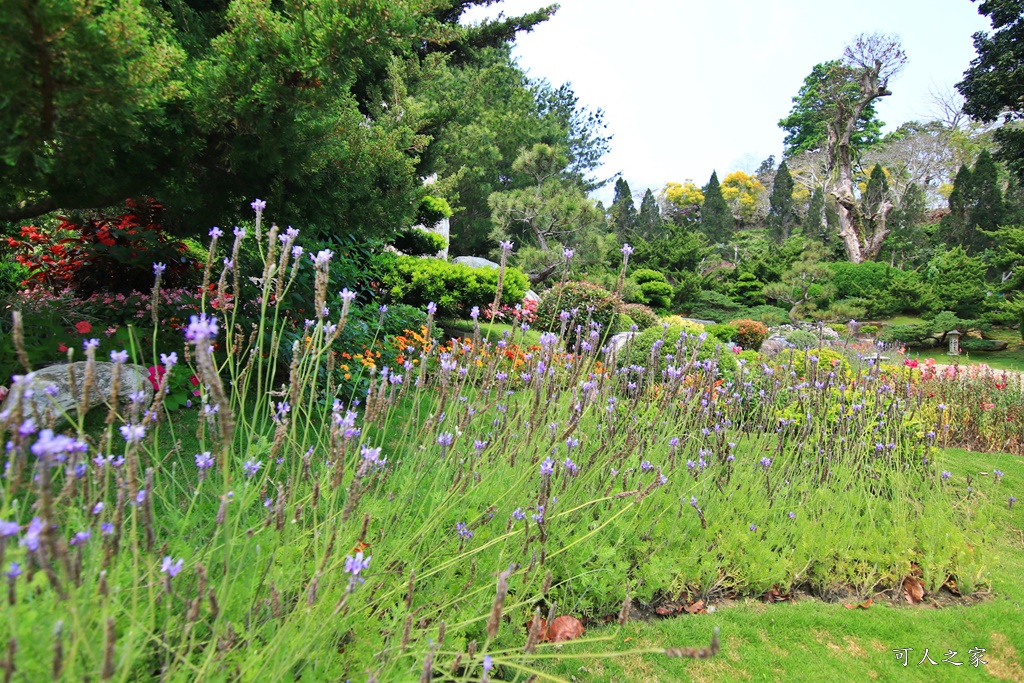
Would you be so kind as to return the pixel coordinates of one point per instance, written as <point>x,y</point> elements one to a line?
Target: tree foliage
<point>993,86</point>
<point>781,213</point>
<point>806,125</point>
<point>716,221</point>
<point>742,192</point>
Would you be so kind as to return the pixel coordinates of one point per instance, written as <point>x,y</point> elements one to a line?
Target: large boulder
<point>531,296</point>
<point>772,346</point>
<point>475,262</point>
<point>49,392</point>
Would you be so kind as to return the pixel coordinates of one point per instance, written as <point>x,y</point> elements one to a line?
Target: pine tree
<point>814,223</point>
<point>956,224</point>
<point>875,192</point>
<point>988,207</point>
<point>716,219</point>
<point>623,212</point>
<point>780,205</point>
<point>648,221</point>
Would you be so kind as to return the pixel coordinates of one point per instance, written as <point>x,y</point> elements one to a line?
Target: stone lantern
<point>954,342</point>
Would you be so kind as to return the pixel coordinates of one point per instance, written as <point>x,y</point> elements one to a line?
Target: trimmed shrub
<point>647,275</point>
<point>433,210</point>
<point>981,344</point>
<point>679,321</point>
<point>712,305</point>
<point>657,294</point>
<point>578,297</point>
<point>868,329</point>
<point>681,343</point>
<point>802,339</point>
<point>415,241</point>
<point>726,333</point>
<point>749,333</point>
<point>643,316</point>
<point>623,323</point>
<point>454,287</point>
<point>807,362</point>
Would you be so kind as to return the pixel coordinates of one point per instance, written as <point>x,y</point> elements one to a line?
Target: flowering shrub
<point>104,254</point>
<point>750,333</point>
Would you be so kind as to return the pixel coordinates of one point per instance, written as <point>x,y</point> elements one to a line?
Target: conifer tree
<point>716,219</point>
<point>623,211</point>
<point>987,208</point>
<point>955,224</point>
<point>780,205</point>
<point>648,222</point>
<point>814,223</point>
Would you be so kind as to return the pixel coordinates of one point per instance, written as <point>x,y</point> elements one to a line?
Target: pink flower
<point>156,373</point>
<point>911,362</point>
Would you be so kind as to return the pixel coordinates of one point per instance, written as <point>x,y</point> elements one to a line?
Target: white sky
<point>689,86</point>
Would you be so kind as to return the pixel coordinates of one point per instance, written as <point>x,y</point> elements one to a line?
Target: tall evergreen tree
<point>908,241</point>
<point>814,223</point>
<point>780,205</point>
<point>648,221</point>
<point>956,224</point>
<point>988,208</point>
<point>716,219</point>
<point>623,212</point>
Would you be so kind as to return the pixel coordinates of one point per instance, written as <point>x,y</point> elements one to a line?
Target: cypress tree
<point>987,210</point>
<point>814,224</point>
<point>716,219</point>
<point>649,219</point>
<point>623,211</point>
<point>955,224</point>
<point>875,192</point>
<point>780,205</point>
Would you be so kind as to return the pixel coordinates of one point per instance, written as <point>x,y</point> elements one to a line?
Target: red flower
<point>62,348</point>
<point>911,362</point>
<point>156,372</point>
<point>83,327</point>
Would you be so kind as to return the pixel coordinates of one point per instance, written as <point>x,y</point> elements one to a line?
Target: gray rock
<point>617,341</point>
<point>772,346</point>
<point>531,296</point>
<point>50,390</point>
<point>475,262</point>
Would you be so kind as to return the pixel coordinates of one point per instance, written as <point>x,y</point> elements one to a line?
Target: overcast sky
<point>689,86</point>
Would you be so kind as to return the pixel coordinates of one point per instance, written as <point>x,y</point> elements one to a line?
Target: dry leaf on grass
<point>696,608</point>
<point>914,589</point>
<point>564,628</point>
<point>863,605</point>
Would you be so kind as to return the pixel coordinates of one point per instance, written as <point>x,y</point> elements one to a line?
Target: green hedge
<point>454,287</point>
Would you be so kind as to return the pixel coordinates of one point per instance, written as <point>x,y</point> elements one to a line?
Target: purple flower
<point>133,433</point>
<point>90,344</point>
<point>570,467</point>
<point>354,567</point>
<point>8,528</point>
<point>547,467</point>
<point>140,497</point>
<point>28,427</point>
<point>506,246</point>
<point>479,445</point>
<point>626,250</point>
<point>14,572</point>
<point>171,567</point>
<point>32,535</point>
<point>568,254</point>
<point>946,475</point>
<point>119,356</point>
<point>81,537</point>
<point>1012,501</point>
<point>792,515</point>
<point>488,663</point>
<point>766,462</point>
<point>474,313</point>
<point>216,232</point>
<point>372,456</point>
<point>998,473</point>
<point>571,443</point>
<point>753,527</point>
<point>201,329</point>
<point>463,530</point>
<point>693,501</point>
<point>445,439</point>
<point>98,507</point>
<point>251,467</point>
<point>107,528</point>
<point>159,268</point>
<point>204,460</point>
<point>645,465</point>
<point>347,296</point>
<point>518,514</point>
<point>674,441</point>
<point>258,205</point>
<point>431,308</point>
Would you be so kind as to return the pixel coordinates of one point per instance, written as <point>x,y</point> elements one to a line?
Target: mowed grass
<point>811,640</point>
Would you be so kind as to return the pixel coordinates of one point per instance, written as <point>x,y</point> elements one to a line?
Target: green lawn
<point>1011,359</point>
<point>811,640</point>
<point>492,331</point>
